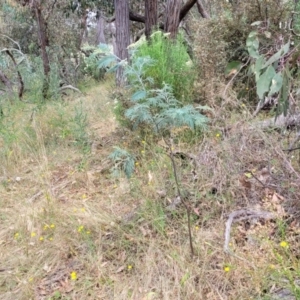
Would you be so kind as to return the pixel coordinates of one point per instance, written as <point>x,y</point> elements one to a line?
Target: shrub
<point>172,66</point>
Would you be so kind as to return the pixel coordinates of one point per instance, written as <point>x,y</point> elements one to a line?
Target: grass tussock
<point>71,230</point>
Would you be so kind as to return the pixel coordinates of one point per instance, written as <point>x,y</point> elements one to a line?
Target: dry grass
<point>64,216</point>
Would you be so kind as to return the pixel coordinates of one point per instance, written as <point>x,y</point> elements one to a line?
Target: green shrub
<point>172,66</point>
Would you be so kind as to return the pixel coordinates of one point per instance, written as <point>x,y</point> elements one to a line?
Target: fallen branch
<point>70,87</point>
<point>279,122</point>
<point>241,215</point>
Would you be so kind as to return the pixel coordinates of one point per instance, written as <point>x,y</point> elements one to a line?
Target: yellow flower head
<point>80,228</point>
<point>41,238</point>
<point>52,226</point>
<point>129,267</point>
<point>16,235</point>
<point>46,227</point>
<point>226,269</point>
<point>284,244</point>
<point>73,275</point>
<point>33,234</point>
<point>218,135</point>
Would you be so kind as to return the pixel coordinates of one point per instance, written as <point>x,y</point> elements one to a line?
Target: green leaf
<point>233,67</point>
<point>106,61</point>
<point>264,82</point>
<point>276,84</point>
<point>252,44</point>
<point>258,67</point>
<point>253,52</point>
<point>139,95</point>
<point>282,52</point>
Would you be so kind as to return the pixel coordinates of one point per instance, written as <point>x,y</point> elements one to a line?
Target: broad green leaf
<point>138,95</point>
<point>283,51</point>
<point>258,67</point>
<point>253,52</point>
<point>252,34</point>
<point>264,82</point>
<point>233,67</point>
<point>276,84</point>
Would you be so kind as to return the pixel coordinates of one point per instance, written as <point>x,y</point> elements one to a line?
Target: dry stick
<point>71,87</point>
<point>240,215</point>
<point>171,155</point>
<point>228,84</point>
<point>288,163</point>
<point>264,185</point>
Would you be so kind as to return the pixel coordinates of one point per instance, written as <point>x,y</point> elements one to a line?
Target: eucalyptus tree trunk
<point>36,10</point>
<point>203,12</point>
<point>122,36</point>
<point>100,36</point>
<point>150,16</point>
<point>172,17</point>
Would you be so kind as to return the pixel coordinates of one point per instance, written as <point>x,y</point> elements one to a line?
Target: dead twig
<point>240,215</point>
<point>70,87</point>
<point>290,167</point>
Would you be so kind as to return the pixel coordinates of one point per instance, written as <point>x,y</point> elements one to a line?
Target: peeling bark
<point>122,36</point>
<point>172,17</point>
<point>204,14</point>
<point>150,16</point>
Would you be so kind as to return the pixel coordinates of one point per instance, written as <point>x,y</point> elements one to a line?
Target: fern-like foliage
<point>123,161</point>
<point>159,109</point>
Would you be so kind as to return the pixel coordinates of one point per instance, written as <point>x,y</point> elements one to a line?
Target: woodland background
<point>149,149</point>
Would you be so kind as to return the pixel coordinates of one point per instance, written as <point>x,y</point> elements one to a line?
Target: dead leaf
<point>121,269</point>
<point>245,183</point>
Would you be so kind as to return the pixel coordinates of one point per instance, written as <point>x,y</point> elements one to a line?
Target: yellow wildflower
<point>46,227</point>
<point>88,232</point>
<point>80,228</point>
<point>129,267</point>
<point>33,234</point>
<point>51,239</point>
<point>52,226</point>
<point>284,244</point>
<point>17,235</point>
<point>226,269</point>
<point>41,238</point>
<point>73,275</point>
<point>218,135</point>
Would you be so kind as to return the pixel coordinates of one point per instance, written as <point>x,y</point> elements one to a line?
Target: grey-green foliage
<point>123,161</point>
<point>271,77</point>
<point>159,109</point>
<point>91,60</point>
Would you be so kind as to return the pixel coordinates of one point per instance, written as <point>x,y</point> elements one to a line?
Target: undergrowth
<point>71,229</point>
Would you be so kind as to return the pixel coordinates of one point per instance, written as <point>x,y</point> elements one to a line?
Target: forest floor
<point>71,230</point>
